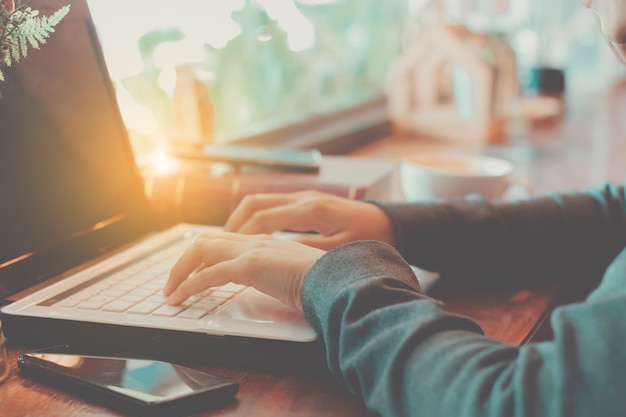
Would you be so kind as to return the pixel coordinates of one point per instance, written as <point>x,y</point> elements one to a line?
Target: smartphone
<point>308,160</point>
<point>139,386</point>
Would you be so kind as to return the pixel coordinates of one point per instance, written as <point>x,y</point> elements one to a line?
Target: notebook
<point>74,214</point>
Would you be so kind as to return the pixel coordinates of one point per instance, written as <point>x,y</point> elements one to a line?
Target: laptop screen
<point>69,187</point>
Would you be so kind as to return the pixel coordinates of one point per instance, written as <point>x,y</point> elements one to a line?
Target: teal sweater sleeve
<point>404,355</point>
<point>566,238</point>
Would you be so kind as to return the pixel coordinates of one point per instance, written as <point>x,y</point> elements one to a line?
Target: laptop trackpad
<point>257,307</point>
<point>254,313</point>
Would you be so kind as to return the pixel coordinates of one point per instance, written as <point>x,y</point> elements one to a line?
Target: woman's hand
<point>336,220</point>
<point>274,266</point>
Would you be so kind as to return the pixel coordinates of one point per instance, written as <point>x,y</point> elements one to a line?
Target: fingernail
<point>172,299</point>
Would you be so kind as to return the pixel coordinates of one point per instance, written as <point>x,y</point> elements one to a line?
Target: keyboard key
<point>145,307</point>
<point>207,305</point>
<point>221,294</point>
<point>118,306</point>
<point>113,292</point>
<point>134,298</point>
<point>168,310</point>
<point>192,313</point>
<point>91,305</point>
<point>100,299</point>
<point>138,290</point>
<point>157,298</point>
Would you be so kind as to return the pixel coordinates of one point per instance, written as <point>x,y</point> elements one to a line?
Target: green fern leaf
<point>34,39</point>
<point>57,16</point>
<point>27,30</point>
<point>7,58</point>
<point>16,51</point>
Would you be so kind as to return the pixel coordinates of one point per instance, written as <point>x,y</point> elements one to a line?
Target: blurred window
<point>223,70</point>
<point>254,65</point>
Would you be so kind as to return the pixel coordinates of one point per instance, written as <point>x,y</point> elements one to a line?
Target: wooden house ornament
<point>455,85</point>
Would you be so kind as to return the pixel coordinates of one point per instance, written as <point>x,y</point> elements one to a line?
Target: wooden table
<point>508,317</point>
<point>585,148</point>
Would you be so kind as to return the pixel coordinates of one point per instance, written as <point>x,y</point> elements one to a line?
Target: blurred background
<point>220,71</point>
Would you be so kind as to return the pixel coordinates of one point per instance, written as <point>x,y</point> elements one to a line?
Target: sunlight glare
<point>163,163</point>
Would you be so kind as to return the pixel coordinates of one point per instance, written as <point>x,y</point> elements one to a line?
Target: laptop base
<point>168,345</point>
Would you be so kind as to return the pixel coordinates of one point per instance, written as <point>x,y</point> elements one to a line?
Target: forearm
<point>537,240</point>
<point>404,355</point>
<point>360,298</point>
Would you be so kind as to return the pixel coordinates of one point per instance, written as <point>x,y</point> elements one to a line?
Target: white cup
<point>442,175</point>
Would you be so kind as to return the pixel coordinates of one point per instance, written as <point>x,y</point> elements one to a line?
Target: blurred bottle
<point>193,109</point>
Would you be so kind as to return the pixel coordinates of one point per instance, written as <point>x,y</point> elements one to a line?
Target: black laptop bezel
<point>31,268</point>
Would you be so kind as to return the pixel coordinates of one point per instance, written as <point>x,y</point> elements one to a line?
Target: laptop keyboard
<point>138,289</point>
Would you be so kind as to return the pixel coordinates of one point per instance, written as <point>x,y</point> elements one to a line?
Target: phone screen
<point>146,382</point>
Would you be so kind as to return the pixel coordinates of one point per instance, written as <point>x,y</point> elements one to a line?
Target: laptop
<point>77,230</point>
